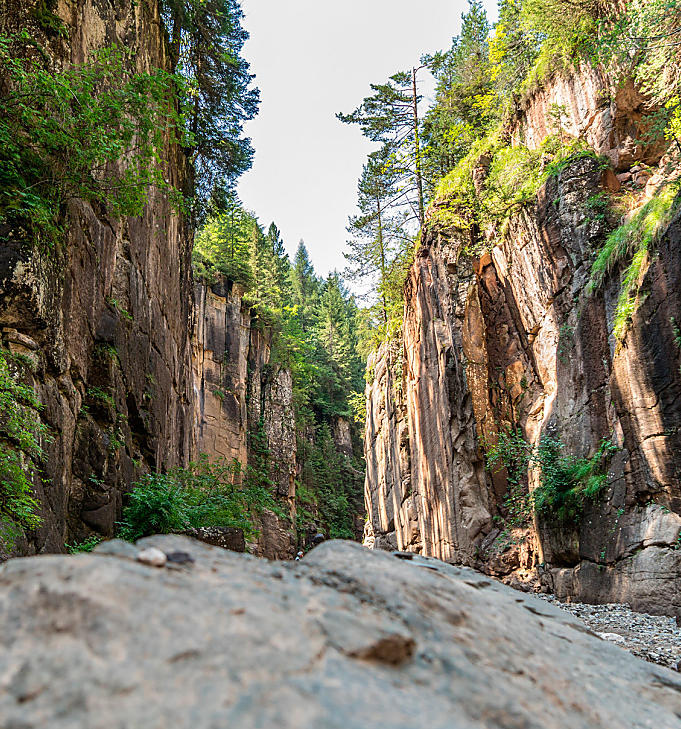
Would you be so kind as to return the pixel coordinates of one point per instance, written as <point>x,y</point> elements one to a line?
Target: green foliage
<point>358,407</point>
<point>465,95</point>
<point>512,178</point>
<point>22,436</point>
<point>223,245</point>
<point>87,545</point>
<point>566,483</point>
<point>93,131</point>
<point>332,484</point>
<point>313,322</point>
<point>206,43</point>
<point>634,240</point>
<point>203,494</point>
<point>47,20</point>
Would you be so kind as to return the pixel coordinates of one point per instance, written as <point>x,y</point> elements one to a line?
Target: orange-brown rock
<point>516,338</point>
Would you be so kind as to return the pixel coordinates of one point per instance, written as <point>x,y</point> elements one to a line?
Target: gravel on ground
<point>655,638</point>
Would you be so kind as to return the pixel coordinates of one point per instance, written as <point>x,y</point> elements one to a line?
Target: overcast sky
<point>313,58</point>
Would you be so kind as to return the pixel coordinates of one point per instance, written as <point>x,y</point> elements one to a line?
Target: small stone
<point>153,557</point>
<point>180,557</point>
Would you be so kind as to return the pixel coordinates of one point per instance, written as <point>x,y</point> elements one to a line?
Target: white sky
<point>313,58</point>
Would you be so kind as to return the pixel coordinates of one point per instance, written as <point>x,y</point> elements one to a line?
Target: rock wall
<point>244,403</point>
<point>105,318</point>
<point>514,338</point>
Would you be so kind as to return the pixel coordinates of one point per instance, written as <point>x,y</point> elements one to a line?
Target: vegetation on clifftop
<point>481,81</point>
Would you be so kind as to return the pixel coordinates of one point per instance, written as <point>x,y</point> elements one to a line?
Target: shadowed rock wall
<point>106,318</point>
<point>244,403</point>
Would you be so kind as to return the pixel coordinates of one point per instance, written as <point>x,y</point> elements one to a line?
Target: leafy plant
<point>22,435</point>
<point>87,545</point>
<point>203,494</point>
<point>566,483</point>
<point>93,131</point>
<point>634,240</point>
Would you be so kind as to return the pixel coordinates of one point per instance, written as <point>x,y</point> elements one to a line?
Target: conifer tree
<point>390,116</point>
<point>377,234</point>
<point>465,94</point>
<point>223,243</point>
<point>206,42</point>
<point>305,287</point>
<point>281,265</point>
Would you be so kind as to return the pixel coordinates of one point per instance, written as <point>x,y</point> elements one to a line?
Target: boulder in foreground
<point>345,639</point>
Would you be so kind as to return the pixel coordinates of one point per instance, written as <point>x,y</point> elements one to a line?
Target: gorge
<point>505,407</point>
<point>516,338</point>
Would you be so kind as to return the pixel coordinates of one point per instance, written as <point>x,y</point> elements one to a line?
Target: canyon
<point>141,367</point>
<point>515,331</point>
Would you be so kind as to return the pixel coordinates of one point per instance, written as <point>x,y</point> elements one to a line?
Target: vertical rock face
<point>244,404</point>
<point>515,338</point>
<point>105,318</point>
<point>220,359</point>
<point>389,501</point>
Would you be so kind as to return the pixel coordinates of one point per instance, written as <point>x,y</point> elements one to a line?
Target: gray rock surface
<point>345,639</point>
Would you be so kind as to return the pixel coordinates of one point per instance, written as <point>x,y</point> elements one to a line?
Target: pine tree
<point>305,287</point>
<point>206,41</point>
<point>377,233</point>
<point>282,267</point>
<point>390,116</point>
<point>223,244</point>
<point>466,101</point>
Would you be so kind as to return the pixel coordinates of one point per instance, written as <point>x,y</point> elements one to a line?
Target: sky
<point>312,59</point>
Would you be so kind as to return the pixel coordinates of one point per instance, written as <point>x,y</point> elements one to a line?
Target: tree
<point>390,116</point>
<point>223,244</point>
<point>465,102</point>
<point>281,264</point>
<point>377,233</point>
<point>206,41</point>
<point>305,287</point>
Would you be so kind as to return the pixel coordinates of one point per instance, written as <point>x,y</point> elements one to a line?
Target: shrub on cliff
<point>93,131</point>
<point>566,483</point>
<point>203,494</point>
<point>634,241</point>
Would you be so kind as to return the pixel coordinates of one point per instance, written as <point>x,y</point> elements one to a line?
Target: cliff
<point>514,338</point>
<point>244,403</point>
<point>103,319</point>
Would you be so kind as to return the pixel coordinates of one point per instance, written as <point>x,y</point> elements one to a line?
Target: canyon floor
<point>173,632</point>
<point>655,638</point>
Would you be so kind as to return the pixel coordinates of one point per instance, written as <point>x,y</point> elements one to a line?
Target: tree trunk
<point>417,148</point>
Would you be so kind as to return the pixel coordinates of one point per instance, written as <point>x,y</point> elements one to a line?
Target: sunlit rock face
<point>344,639</point>
<point>244,402</point>
<point>105,317</point>
<point>514,338</point>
